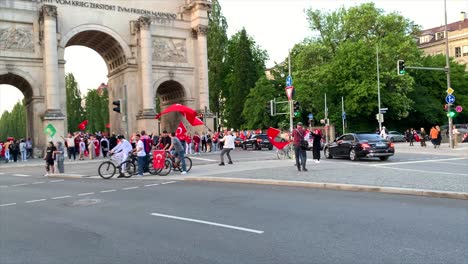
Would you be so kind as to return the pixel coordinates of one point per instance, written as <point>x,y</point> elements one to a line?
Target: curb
<point>64,175</point>
<point>338,186</point>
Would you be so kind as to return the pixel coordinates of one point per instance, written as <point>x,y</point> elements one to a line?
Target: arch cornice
<point>25,75</point>
<point>87,27</point>
<point>158,82</point>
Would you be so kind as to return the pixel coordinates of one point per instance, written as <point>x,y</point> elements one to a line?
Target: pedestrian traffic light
<point>297,109</point>
<point>452,113</point>
<point>117,105</point>
<point>401,67</point>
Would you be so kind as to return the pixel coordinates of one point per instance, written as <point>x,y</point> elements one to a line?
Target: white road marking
<point>463,164</point>
<point>83,194</point>
<point>21,184</point>
<point>209,223</point>
<point>60,197</point>
<point>154,184</point>
<point>168,182</point>
<point>1,173</point>
<point>418,161</point>
<point>425,171</point>
<point>3,186</point>
<point>2,205</point>
<point>37,182</point>
<point>35,201</point>
<point>195,158</point>
<point>108,191</point>
<point>130,188</point>
<point>56,181</point>
<point>21,175</point>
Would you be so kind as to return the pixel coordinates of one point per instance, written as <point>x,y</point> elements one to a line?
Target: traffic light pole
<point>447,66</point>
<point>291,127</point>
<point>378,90</point>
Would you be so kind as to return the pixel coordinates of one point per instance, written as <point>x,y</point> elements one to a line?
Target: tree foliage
<point>75,111</point>
<point>217,41</point>
<point>13,124</point>
<point>97,110</point>
<point>246,62</point>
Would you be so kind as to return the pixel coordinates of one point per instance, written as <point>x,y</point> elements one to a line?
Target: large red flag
<point>189,113</point>
<point>181,130</point>
<point>158,159</point>
<point>272,133</point>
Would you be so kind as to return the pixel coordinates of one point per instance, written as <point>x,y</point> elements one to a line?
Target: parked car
<point>395,136</point>
<point>257,142</point>
<point>360,145</point>
<point>238,142</point>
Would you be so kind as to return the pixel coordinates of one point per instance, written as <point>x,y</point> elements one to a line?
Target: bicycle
<point>171,164</point>
<point>108,168</point>
<point>285,153</point>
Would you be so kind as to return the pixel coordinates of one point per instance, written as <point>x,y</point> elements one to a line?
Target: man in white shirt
<point>121,151</point>
<point>228,140</point>
<point>141,154</point>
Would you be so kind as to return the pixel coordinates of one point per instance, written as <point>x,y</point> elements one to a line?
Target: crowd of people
<point>16,150</point>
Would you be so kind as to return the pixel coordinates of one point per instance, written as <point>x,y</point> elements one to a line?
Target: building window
<point>424,39</point>
<point>465,50</point>
<point>457,52</point>
<point>440,35</point>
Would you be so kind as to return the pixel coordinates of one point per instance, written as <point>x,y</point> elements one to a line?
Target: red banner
<point>158,159</point>
<point>180,132</point>
<point>272,133</point>
<point>82,125</point>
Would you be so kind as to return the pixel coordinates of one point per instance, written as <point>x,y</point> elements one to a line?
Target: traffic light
<point>401,67</point>
<point>117,105</point>
<point>297,109</point>
<point>446,107</point>
<point>452,113</point>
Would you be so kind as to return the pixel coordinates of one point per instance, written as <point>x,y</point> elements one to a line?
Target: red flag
<point>82,125</point>
<point>181,130</point>
<point>158,159</point>
<point>189,113</point>
<point>272,133</point>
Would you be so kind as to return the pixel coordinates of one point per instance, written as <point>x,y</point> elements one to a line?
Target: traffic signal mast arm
<point>401,68</point>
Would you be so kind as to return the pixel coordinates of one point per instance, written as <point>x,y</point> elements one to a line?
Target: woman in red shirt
<point>196,142</point>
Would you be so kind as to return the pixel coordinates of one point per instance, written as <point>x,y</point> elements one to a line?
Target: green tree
<point>97,110</point>
<point>217,41</point>
<point>13,124</point>
<point>246,63</point>
<point>75,111</point>
<point>341,61</point>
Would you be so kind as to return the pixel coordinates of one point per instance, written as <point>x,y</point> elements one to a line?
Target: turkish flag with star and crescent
<point>158,159</point>
<point>180,132</point>
<point>272,133</point>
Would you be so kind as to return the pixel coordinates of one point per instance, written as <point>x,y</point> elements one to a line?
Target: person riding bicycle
<point>121,151</point>
<point>179,150</point>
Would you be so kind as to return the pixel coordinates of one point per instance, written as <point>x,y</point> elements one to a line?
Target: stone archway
<point>169,93</point>
<point>32,105</point>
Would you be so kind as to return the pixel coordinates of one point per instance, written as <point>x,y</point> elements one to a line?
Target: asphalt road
<point>140,221</point>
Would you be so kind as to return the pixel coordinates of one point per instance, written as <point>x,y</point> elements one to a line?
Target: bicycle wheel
<point>130,169</point>
<point>151,169</point>
<point>188,164</point>
<point>106,170</point>
<point>167,168</point>
<point>281,154</point>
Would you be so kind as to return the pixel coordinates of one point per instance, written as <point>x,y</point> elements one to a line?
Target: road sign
<point>450,99</point>
<point>343,115</point>
<point>450,90</point>
<point>289,92</point>
<point>459,108</point>
<point>289,80</point>
<point>310,116</point>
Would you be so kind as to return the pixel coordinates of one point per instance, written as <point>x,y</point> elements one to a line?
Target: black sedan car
<point>257,142</point>
<point>360,145</point>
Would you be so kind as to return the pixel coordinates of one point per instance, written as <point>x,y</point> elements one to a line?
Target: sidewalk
<point>330,174</point>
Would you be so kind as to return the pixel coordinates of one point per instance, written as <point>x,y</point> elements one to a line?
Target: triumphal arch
<point>152,49</point>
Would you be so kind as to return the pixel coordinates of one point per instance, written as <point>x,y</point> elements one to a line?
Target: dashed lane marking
<point>60,197</point>
<point>195,158</point>
<point>106,191</point>
<point>84,194</point>
<point>56,181</point>
<point>2,205</point>
<point>35,201</point>
<point>20,184</point>
<point>209,223</point>
<point>3,186</point>
<point>154,184</point>
<point>37,182</point>
<point>1,173</point>
<point>20,175</point>
<point>169,182</point>
<point>130,188</point>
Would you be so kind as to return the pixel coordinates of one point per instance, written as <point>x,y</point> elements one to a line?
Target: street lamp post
<point>447,66</point>
<point>378,90</point>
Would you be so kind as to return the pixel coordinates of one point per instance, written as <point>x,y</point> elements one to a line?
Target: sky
<point>275,25</point>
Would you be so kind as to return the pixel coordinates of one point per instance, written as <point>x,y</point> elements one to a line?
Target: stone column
<point>147,113</point>
<point>53,116</point>
<point>51,72</point>
<point>202,53</point>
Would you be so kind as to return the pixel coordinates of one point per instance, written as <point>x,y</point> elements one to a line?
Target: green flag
<point>50,130</point>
